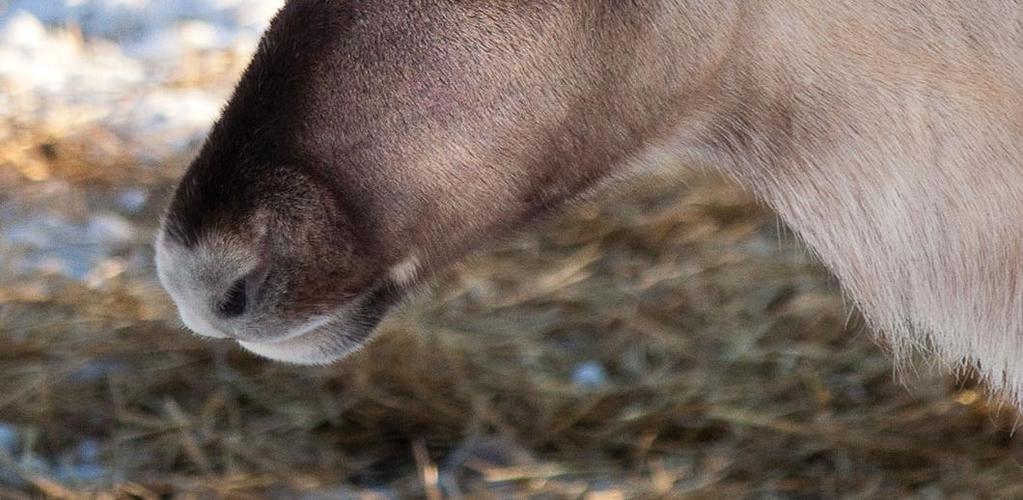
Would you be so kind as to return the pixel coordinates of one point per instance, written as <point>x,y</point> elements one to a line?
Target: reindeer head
<point>368,144</point>
<point>371,143</point>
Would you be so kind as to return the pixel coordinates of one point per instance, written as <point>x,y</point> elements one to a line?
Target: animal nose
<point>235,300</point>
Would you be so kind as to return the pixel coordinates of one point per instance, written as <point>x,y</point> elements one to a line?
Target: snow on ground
<point>128,66</point>
<point>119,62</point>
<point>154,72</point>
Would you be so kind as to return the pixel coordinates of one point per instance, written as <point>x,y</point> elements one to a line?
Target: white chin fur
<point>320,347</point>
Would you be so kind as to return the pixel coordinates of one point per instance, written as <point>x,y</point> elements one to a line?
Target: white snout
<point>198,278</point>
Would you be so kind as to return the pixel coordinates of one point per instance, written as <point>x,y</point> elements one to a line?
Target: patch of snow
<point>107,228</point>
<point>123,65</point>
<point>52,244</point>
<point>10,439</point>
<point>32,463</point>
<point>114,61</point>
<point>131,200</point>
<point>173,119</point>
<point>81,465</point>
<point>134,21</point>
<point>38,66</point>
<point>95,371</point>
<point>590,375</point>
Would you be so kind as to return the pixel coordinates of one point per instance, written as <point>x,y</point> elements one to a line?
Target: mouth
<point>336,338</point>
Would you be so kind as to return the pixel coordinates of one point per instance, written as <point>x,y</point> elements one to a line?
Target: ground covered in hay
<point>665,340</point>
<point>658,343</point>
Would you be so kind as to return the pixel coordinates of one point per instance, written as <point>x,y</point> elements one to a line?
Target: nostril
<point>235,301</point>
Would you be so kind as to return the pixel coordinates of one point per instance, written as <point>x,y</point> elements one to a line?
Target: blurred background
<point>667,340</point>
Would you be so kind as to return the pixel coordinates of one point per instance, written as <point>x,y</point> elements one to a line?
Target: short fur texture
<point>370,144</point>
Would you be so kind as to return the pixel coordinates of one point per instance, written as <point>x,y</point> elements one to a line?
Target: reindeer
<point>371,144</point>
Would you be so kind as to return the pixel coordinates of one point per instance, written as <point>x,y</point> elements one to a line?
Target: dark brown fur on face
<point>370,144</point>
<point>408,113</point>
